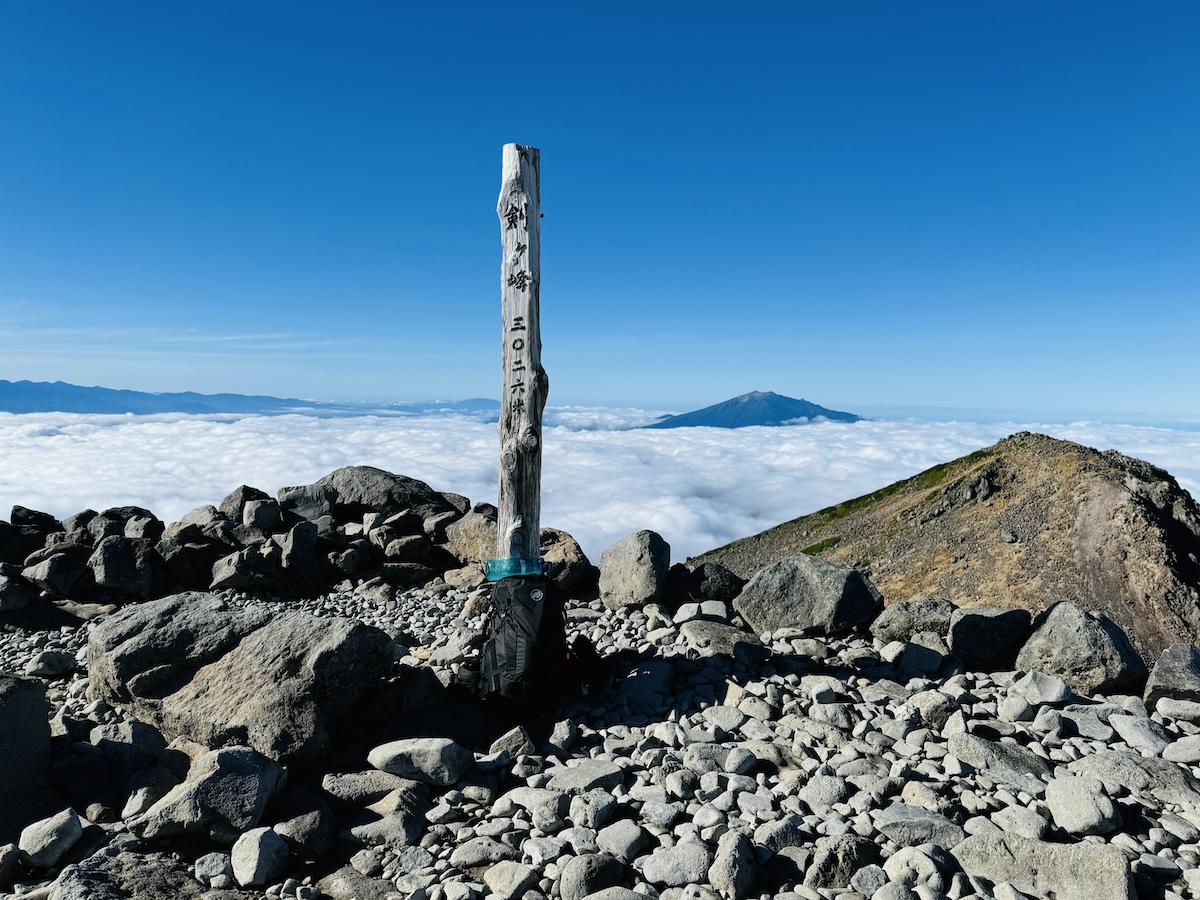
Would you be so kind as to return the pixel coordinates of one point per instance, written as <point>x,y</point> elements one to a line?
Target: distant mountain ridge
<point>59,396</point>
<point>754,408</point>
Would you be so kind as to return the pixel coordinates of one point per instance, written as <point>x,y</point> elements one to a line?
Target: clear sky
<point>874,206</point>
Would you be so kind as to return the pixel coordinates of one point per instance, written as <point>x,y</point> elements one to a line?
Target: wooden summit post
<point>524,384</point>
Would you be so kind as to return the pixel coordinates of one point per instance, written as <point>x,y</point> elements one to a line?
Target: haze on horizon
<point>934,207</point>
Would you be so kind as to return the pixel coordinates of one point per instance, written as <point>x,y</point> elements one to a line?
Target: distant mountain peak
<point>754,408</point>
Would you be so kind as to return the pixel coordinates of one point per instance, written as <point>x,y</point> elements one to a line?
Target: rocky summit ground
<point>862,766</point>
<point>1025,523</point>
<point>164,733</point>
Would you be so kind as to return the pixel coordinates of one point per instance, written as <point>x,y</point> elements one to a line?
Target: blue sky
<point>919,207</point>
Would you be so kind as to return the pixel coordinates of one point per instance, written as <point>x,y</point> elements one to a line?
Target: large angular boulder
<point>234,504</point>
<point>17,542</point>
<point>250,570</point>
<point>1008,764</point>
<point>352,491</point>
<point>115,875</point>
<point>1175,675</point>
<point>198,667</point>
<point>1041,869</point>
<point>57,573</point>
<point>226,792</point>
<point>900,621</point>
<point>1152,780</point>
<point>1091,653</point>
<point>572,569</point>
<point>985,637</point>
<point>15,591</point>
<point>122,567</point>
<point>43,843</point>
<point>24,755</point>
<point>633,570</point>
<point>472,539</point>
<point>39,522</point>
<point>810,594</point>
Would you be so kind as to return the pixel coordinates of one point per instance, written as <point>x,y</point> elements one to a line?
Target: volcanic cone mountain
<point>754,408</point>
<point>1022,524</point>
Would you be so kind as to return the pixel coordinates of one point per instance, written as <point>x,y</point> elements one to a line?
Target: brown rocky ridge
<point>1025,523</point>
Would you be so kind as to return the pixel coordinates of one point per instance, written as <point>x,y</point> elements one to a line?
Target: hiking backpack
<point>525,642</point>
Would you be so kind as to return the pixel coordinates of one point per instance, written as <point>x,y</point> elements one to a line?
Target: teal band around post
<point>495,569</point>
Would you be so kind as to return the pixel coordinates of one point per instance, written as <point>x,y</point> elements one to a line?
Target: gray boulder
<point>17,542</point>
<point>250,569</point>
<point>985,637</point>
<point>298,555</point>
<point>24,755</point>
<point>259,856</point>
<point>1080,805</point>
<point>837,858</point>
<point>309,501</point>
<point>354,790</point>
<point>1041,869</point>
<point>44,842</point>
<point>573,571</point>
<point>306,824</point>
<point>589,873</point>
<point>1008,764</point>
<point>56,574</point>
<point>265,514</point>
<point>715,638</point>
<point>436,761</point>
<point>910,826</point>
<point>900,621</point>
<point>115,875</point>
<point>510,880</point>
<point>193,665</point>
<point>10,859</point>
<point>225,793</point>
<point>1175,675</point>
<point>734,866</point>
<point>810,594</point>
<point>633,570</point>
<point>234,504</point>
<point>1091,653</point>
<point>123,567</point>
<point>42,523</point>
<point>1153,780</point>
<point>685,863</point>
<point>472,538</point>
<point>15,591</point>
<point>51,664</point>
<point>352,491</point>
<point>397,818</point>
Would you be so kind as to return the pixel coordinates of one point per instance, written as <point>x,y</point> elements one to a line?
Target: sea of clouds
<point>602,479</point>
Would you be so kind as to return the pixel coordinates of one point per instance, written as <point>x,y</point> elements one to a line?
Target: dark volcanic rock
<point>986,636</point>
<point>1175,675</point>
<point>900,621</point>
<point>123,567</point>
<point>15,591</point>
<point>1091,653</point>
<point>633,570</point>
<point>113,875</point>
<point>24,755</point>
<point>17,542</point>
<point>361,489</point>
<point>226,792</point>
<point>809,594</point>
<point>195,666</point>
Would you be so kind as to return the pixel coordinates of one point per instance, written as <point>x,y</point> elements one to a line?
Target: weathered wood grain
<point>524,384</point>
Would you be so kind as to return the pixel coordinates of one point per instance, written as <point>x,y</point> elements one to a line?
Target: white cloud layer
<point>698,487</point>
